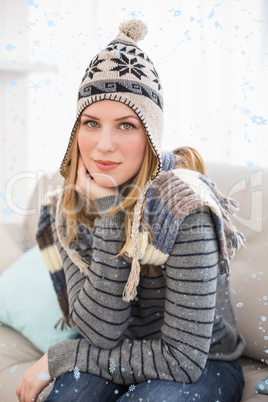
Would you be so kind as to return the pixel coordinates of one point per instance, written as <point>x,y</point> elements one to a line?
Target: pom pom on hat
<point>134,29</point>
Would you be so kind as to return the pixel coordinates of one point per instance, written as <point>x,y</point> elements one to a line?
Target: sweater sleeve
<point>96,308</point>
<point>181,352</point>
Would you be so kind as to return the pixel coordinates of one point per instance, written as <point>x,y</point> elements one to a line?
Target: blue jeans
<point>219,382</point>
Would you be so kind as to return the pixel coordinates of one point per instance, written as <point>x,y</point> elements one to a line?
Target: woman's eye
<point>92,123</point>
<point>127,126</point>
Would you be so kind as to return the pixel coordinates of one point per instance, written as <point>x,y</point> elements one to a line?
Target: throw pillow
<point>29,303</point>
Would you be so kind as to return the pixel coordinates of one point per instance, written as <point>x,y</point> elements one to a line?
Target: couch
<point>248,284</point>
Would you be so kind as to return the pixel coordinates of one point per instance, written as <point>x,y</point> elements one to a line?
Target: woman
<point>138,246</point>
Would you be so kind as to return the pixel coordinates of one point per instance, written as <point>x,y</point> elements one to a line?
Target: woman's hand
<point>88,187</point>
<point>35,379</point>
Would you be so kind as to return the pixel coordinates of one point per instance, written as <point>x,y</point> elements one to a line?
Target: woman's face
<point>112,142</point>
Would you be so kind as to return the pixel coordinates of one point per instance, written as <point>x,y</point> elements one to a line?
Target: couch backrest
<point>249,268</point>
<point>18,238</point>
<point>47,184</point>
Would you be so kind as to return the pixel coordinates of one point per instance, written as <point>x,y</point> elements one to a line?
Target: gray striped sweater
<point>180,318</point>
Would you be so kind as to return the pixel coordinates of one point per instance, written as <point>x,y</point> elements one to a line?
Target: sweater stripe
<point>77,351</point>
<point>196,241</point>
<point>154,288</point>
<point>168,366</point>
<point>71,276</point>
<point>74,296</point>
<point>102,251</point>
<point>92,328</point>
<point>98,365</point>
<point>98,318</point>
<point>142,361</point>
<point>196,254</point>
<point>103,264</point>
<point>159,277</point>
<point>76,283</point>
<point>120,364</point>
<point>104,292</point>
<point>195,227</point>
<point>187,332</point>
<point>185,372</point>
<point>151,298</point>
<point>190,307</point>
<point>102,305</point>
<point>155,367</point>
<point>193,267</point>
<point>186,344</point>
<point>107,240</point>
<point>81,331</point>
<point>188,319</point>
<point>88,355</point>
<point>68,267</point>
<point>188,357</point>
<point>192,280</point>
<point>191,294</point>
<point>105,278</point>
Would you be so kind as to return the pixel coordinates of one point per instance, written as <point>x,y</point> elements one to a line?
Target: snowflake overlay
<point>76,373</point>
<point>131,387</point>
<point>43,376</point>
<point>112,366</point>
<point>13,368</point>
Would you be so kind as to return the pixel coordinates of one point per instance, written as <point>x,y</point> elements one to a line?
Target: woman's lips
<point>106,165</point>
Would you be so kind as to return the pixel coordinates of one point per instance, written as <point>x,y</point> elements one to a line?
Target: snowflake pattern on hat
<point>93,68</point>
<point>156,80</point>
<point>130,49</point>
<point>126,65</point>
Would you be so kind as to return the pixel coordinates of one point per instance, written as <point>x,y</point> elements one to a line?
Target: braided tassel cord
<point>130,290</point>
<point>72,254</point>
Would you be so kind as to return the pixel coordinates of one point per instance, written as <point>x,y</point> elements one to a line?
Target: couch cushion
<point>15,348</point>
<point>253,371</point>
<point>10,379</point>
<point>17,354</point>
<point>29,303</point>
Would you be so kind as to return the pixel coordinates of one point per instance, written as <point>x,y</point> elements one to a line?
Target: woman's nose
<point>106,141</point>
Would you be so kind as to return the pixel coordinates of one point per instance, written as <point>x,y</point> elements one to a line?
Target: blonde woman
<point>138,245</point>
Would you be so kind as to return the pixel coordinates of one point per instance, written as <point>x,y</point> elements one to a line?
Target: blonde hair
<point>189,158</point>
<point>77,210</point>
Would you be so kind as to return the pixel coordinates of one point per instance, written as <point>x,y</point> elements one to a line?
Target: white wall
<point>211,57</point>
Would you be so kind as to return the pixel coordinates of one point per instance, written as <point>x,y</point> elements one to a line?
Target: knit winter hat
<point>124,73</point>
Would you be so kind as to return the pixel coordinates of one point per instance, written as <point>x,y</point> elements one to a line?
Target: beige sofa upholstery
<point>248,286</point>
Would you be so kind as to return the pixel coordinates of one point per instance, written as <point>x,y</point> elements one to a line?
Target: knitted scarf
<point>168,200</point>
